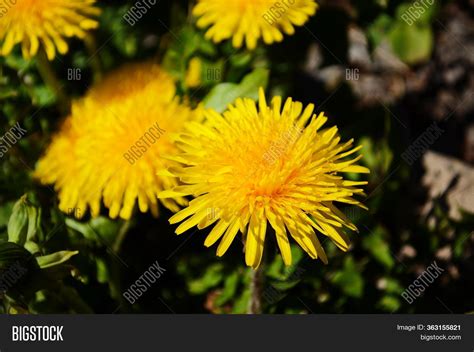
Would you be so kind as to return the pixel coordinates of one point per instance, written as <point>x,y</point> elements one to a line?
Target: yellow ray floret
<point>44,23</point>
<point>110,150</point>
<point>250,20</point>
<point>260,167</point>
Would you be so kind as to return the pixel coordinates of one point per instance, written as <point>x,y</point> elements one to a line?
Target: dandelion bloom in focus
<point>110,150</point>
<point>250,20</point>
<point>44,23</point>
<point>254,166</point>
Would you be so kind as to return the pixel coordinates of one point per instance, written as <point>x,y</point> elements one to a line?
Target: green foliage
<point>188,43</point>
<point>96,230</point>
<point>226,93</point>
<point>408,32</point>
<point>22,259</point>
<point>377,245</point>
<point>350,279</point>
<point>211,278</point>
<point>412,44</point>
<point>229,290</point>
<point>50,260</point>
<point>24,223</point>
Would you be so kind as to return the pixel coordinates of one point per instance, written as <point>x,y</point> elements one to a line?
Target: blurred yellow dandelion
<point>267,164</point>
<point>193,74</point>
<point>250,20</point>
<point>110,150</point>
<point>44,23</point>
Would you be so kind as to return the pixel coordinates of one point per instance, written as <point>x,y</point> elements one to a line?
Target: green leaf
<point>378,247</point>
<point>103,275</point>
<point>18,63</point>
<point>124,40</point>
<point>226,93</point>
<point>230,287</point>
<point>242,301</point>
<point>413,44</point>
<point>378,156</point>
<point>32,247</point>
<point>5,212</point>
<point>393,286</point>
<point>189,41</point>
<point>18,223</point>
<point>285,285</point>
<point>241,59</point>
<point>54,259</point>
<point>378,30</point>
<point>34,221</point>
<point>240,306</point>
<point>98,229</point>
<point>279,271</point>
<point>349,279</point>
<point>459,245</point>
<point>21,265</point>
<point>389,303</point>
<point>106,228</point>
<point>409,32</point>
<point>416,14</point>
<point>42,95</point>
<point>7,92</point>
<point>10,253</point>
<point>83,228</point>
<point>211,278</point>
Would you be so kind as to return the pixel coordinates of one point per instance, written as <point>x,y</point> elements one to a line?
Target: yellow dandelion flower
<point>268,164</point>
<point>251,20</point>
<point>193,74</point>
<point>110,150</point>
<point>44,23</point>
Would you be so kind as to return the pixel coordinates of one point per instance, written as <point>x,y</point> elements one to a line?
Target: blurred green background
<point>382,80</point>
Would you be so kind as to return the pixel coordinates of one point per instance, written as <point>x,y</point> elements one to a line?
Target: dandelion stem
<point>52,81</point>
<point>70,297</point>
<point>121,236</point>
<point>115,282</point>
<point>255,302</point>
<point>94,59</point>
